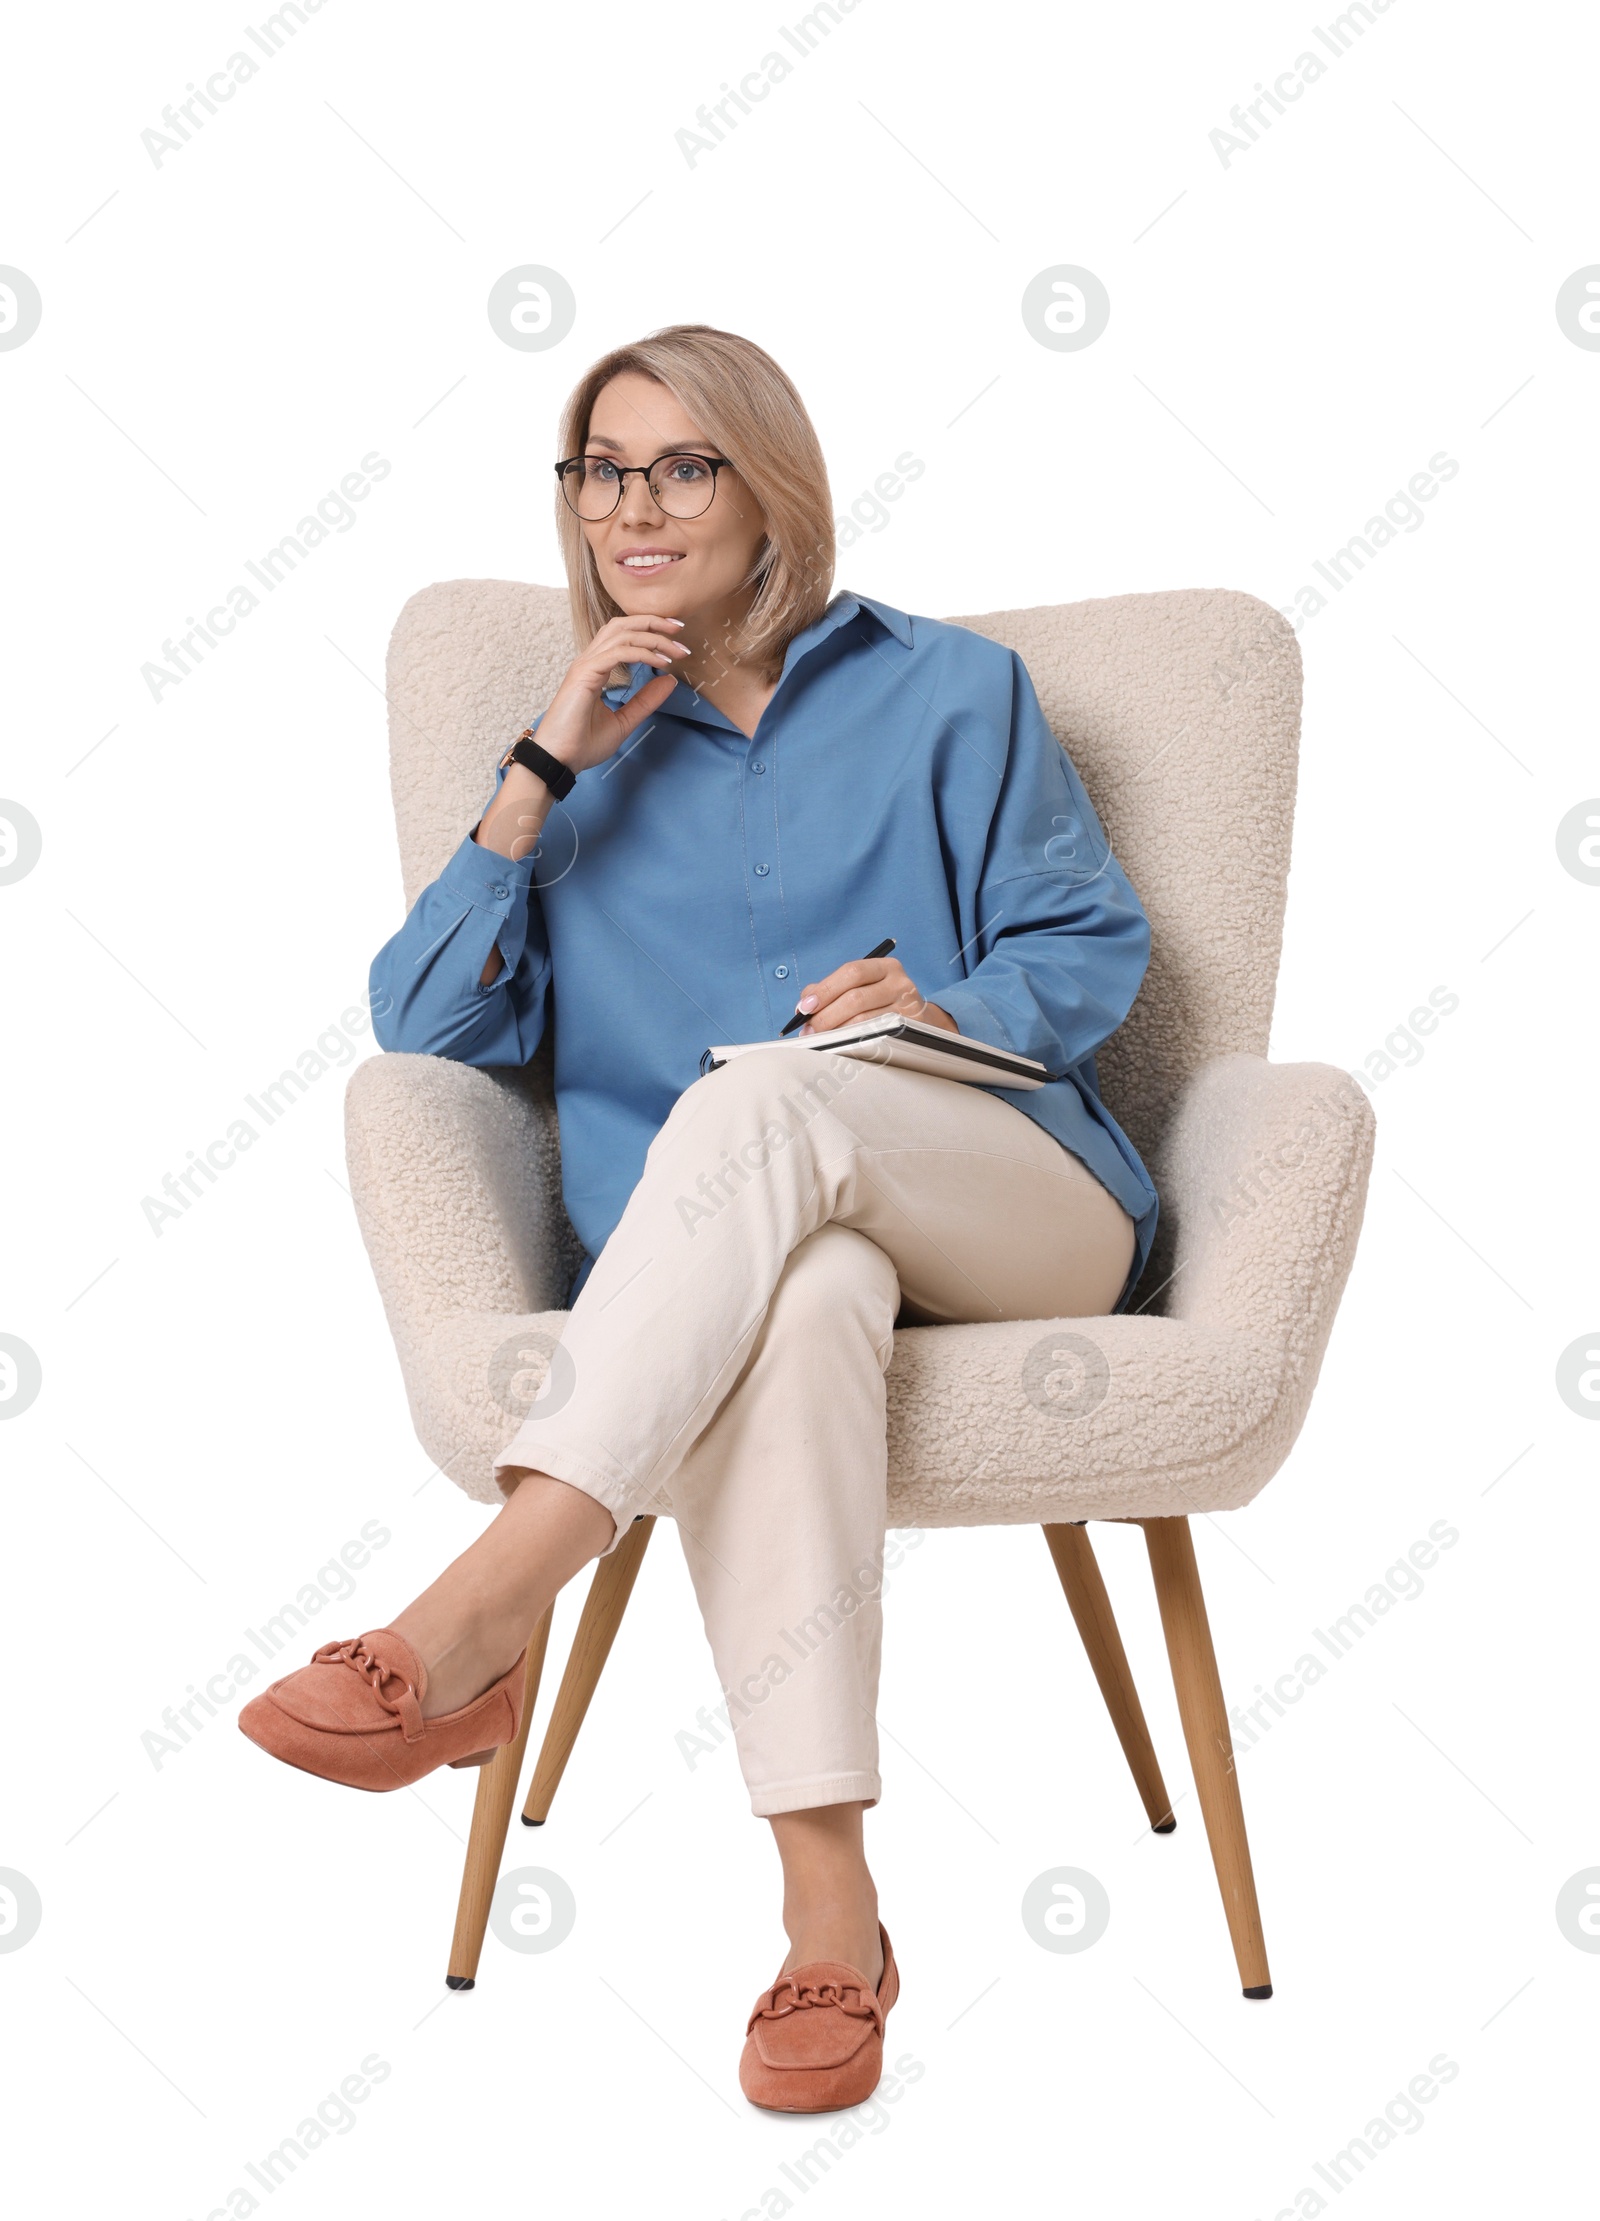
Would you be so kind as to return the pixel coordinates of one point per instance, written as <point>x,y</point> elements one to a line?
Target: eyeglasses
<point>683,485</point>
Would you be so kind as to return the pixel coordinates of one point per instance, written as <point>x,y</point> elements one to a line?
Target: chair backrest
<point>1180,710</point>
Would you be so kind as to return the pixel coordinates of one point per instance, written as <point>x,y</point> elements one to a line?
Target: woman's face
<point>652,564</point>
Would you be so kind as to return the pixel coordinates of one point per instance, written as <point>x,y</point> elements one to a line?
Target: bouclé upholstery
<point>1181,712</point>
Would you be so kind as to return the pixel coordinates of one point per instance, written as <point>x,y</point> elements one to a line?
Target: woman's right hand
<point>580,727</point>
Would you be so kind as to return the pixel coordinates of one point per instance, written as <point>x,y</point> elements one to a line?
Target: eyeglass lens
<point>682,485</point>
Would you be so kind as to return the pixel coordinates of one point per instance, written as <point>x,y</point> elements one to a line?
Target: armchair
<point>1181,712</point>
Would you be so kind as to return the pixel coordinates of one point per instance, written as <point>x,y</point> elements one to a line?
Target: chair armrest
<point>1263,1173</point>
<point>455,1174</point>
<point>469,1385</point>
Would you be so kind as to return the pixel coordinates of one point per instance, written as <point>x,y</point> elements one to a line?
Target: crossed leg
<point>729,1348</point>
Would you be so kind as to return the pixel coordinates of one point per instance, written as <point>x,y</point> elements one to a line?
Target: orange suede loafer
<point>815,2039</point>
<point>354,1715</point>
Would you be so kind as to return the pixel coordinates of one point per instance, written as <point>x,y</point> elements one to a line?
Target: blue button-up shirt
<point>902,781</point>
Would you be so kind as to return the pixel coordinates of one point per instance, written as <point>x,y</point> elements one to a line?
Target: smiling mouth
<point>642,564</point>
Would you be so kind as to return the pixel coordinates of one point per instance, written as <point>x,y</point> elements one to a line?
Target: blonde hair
<point>748,408</point>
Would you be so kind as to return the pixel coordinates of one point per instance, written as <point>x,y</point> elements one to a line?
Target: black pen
<point>883,949</point>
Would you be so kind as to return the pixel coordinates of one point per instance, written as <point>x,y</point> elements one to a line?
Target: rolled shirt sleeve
<point>427,980</point>
<point>1063,941</point>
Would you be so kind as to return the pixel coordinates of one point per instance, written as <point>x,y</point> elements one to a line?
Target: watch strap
<point>559,777</point>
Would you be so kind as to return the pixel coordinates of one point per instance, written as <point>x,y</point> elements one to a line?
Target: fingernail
<point>806,1002</point>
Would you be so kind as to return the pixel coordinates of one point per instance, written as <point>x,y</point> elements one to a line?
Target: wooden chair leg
<point>1091,1609</point>
<point>603,1608</point>
<point>491,1816</point>
<point>1205,1730</point>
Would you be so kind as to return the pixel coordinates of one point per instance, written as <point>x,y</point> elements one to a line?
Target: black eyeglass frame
<point>625,471</point>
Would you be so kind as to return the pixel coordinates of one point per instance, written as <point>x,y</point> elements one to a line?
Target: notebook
<point>887,1038</point>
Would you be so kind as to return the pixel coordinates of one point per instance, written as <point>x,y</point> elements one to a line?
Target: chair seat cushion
<point>1101,1418</point>
<point>1104,1418</point>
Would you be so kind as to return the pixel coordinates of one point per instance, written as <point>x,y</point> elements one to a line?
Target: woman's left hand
<point>860,990</point>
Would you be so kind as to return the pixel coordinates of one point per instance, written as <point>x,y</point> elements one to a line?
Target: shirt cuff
<point>485,878</point>
<point>973,1015</point>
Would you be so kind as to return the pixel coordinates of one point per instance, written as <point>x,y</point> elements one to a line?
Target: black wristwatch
<point>559,777</point>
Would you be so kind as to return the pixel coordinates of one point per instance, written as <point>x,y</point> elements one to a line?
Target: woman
<point>782,780</point>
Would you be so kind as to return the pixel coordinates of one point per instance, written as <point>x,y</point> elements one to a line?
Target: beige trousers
<point>729,1346</point>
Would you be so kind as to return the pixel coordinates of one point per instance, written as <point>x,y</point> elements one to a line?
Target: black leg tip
<point>459,1981</point>
<point>1163,1827</point>
<point>527,1823</point>
<point>1262,1989</point>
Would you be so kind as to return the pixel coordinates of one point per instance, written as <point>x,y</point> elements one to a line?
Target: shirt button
<point>758,767</point>
<point>782,972</point>
<point>762,870</point>
<point>499,893</point>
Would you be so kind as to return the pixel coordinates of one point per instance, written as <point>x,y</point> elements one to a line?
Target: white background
<point>1292,337</point>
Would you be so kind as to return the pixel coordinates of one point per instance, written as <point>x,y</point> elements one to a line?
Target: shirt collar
<point>839,612</point>
<point>892,620</point>
<point>684,702</point>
